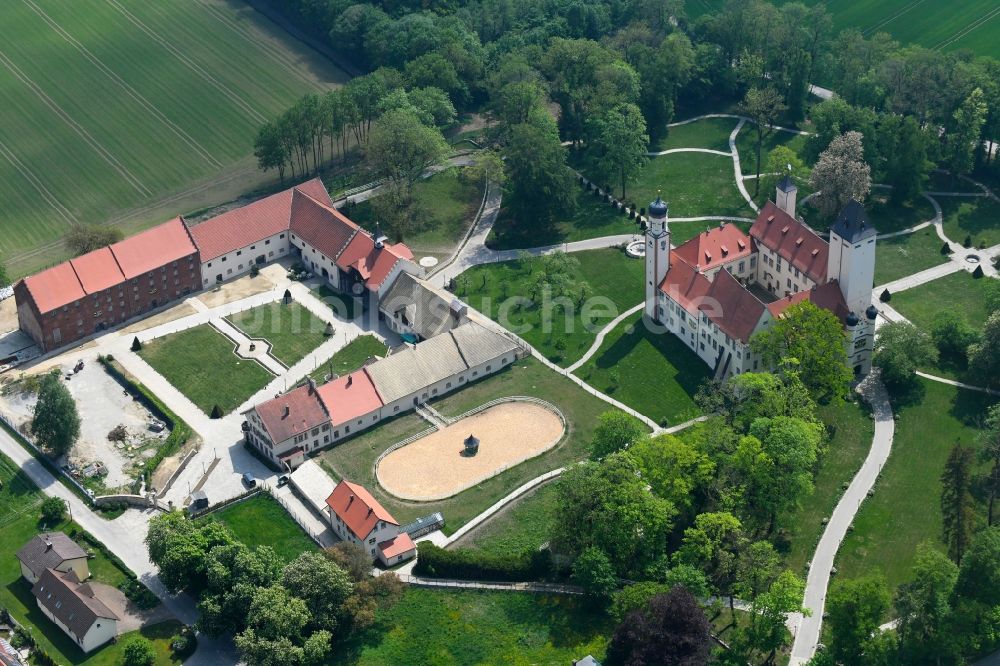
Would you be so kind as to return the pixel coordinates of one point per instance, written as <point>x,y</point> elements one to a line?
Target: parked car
<point>249,481</point>
<point>282,480</point>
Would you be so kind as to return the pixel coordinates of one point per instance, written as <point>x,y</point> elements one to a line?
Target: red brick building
<point>108,286</point>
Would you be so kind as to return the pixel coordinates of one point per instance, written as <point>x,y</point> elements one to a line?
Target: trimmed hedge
<point>180,431</point>
<point>468,564</point>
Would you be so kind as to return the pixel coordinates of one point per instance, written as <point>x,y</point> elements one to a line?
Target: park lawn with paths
<point>292,330</point>
<point>354,459</point>
<point>522,527</point>
<point>262,521</point>
<point>746,145</point>
<point>694,184</point>
<point>975,217</point>
<point>851,427</point>
<point>592,218</point>
<point>904,255</point>
<point>20,514</point>
<point>469,627</point>
<point>615,278</point>
<point>958,292</point>
<point>888,216</point>
<point>905,509</point>
<point>654,373</point>
<point>939,26</point>
<point>448,204</point>
<point>129,115</point>
<point>711,133</point>
<point>182,359</point>
<point>943,181</point>
<point>351,357</point>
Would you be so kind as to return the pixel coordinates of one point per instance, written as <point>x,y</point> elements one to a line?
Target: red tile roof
<point>320,225</point>
<point>349,397</point>
<point>54,287</point>
<point>715,247</point>
<point>250,224</point>
<point>373,264</point>
<point>684,284</point>
<point>357,508</point>
<point>827,296</point>
<point>732,307</point>
<point>399,544</point>
<point>97,270</point>
<point>293,413</point>
<point>153,248</point>
<point>792,240</point>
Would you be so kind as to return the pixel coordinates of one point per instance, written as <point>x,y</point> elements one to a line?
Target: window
<point>223,259</point>
<point>742,266</point>
<point>281,236</point>
<point>267,242</point>
<point>372,540</point>
<point>702,346</point>
<point>239,252</point>
<point>789,282</point>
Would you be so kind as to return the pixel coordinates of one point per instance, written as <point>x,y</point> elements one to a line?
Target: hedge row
<point>468,564</point>
<point>179,430</point>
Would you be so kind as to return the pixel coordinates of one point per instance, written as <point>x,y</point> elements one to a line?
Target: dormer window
<point>784,230</point>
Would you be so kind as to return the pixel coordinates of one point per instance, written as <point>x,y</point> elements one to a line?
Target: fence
<point>538,588</point>
<point>226,502</point>
<point>305,528</point>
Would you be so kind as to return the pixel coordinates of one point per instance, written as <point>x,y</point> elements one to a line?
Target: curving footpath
<point>807,629</point>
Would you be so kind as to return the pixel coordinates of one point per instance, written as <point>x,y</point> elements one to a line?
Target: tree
<point>607,505</point>
<point>712,544</point>
<point>84,238</point>
<point>615,431</point>
<point>593,572</point>
<point>900,349</point>
<point>841,174</point>
<point>674,470</point>
<point>964,135</point>
<point>400,148</point>
<point>276,632</point>
<point>744,398</point>
<point>433,106</point>
<point>352,558</point>
<point>815,338</point>
<point>767,632</point>
<point>322,584</point>
<point>540,186</point>
<point>671,630</point>
<point>984,356</point>
<point>179,548</point>
<point>957,505</point>
<point>924,608</point>
<point>856,609</point>
<point>270,150</point>
<point>989,453</point>
<point>979,573</point>
<point>617,144</point>
<point>136,345</point>
<point>233,574</point>
<point>783,161</point>
<point>56,422</point>
<point>138,651</point>
<point>904,151</point>
<point>757,570</point>
<point>952,335</point>
<point>53,510</point>
<point>763,106</point>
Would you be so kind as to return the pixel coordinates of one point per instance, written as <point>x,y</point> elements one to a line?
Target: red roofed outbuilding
<point>359,518</point>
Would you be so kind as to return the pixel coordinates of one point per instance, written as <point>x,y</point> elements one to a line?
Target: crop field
<point>127,112</point>
<point>949,26</point>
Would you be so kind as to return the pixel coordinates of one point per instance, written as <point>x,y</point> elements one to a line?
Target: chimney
<point>350,498</point>
<point>48,543</point>
<point>350,379</point>
<point>312,385</point>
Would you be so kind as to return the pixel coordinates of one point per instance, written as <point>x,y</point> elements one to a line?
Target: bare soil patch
<point>435,467</point>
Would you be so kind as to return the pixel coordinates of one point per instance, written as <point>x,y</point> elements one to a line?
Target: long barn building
<point>114,284</point>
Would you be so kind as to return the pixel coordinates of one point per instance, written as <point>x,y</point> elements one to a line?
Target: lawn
<point>557,325</point>
<point>447,205</point>
<point>19,521</point>
<point>351,357</point>
<point>355,458</point>
<point>746,144</point>
<point>472,627</point>
<point>291,329</point>
<point>694,184</point>
<point>937,25</point>
<point>711,133</point>
<point>654,373</point>
<point>959,292</point>
<point>183,359</point>
<point>851,427</point>
<point>904,255</point>
<point>261,521</point>
<point>524,526</point>
<point>976,218</point>
<point>343,305</point>
<point>130,113</point>
<point>906,507</point>
<point>590,219</point>
<point>889,216</point>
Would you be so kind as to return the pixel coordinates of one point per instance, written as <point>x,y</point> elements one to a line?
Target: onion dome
<point>658,208</point>
<point>852,320</point>
<point>871,312</point>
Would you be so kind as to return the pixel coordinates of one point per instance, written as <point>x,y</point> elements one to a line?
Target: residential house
<point>52,550</point>
<point>75,609</point>
<point>358,517</point>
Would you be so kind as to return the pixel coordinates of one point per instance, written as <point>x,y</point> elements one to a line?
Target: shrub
<point>254,270</point>
<point>136,345</point>
<point>465,563</point>
<point>139,594</point>
<point>978,273</point>
<point>945,248</point>
<point>53,510</point>
<point>216,412</point>
<point>184,645</point>
<point>885,296</point>
<point>967,242</point>
<point>138,651</point>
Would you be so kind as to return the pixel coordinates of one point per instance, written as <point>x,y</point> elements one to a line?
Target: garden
<point>262,521</point>
<point>292,330</point>
<point>181,358</point>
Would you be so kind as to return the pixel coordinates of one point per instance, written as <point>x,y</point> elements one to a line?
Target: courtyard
<point>291,329</point>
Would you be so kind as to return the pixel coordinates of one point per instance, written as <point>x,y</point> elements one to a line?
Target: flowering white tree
<point>841,174</point>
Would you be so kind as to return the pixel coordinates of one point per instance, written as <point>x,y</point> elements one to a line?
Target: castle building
<point>721,287</point>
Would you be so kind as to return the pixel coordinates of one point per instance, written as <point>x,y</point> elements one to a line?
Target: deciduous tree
<point>617,144</point>
<point>984,356</point>
<point>856,609</point>
<point>615,431</point>
<point>400,148</point>
<point>900,349</point>
<point>540,186</point>
<point>56,422</point>
<point>763,106</point>
<point>957,505</point>
<point>84,238</point>
<point>924,609</point>
<point>674,470</point>
<point>671,630</point>
<point>841,174</point>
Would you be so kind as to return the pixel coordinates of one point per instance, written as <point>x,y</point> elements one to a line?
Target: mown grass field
<point>959,292</point>
<point>350,358</point>
<point>711,133</point>
<point>127,113</point>
<point>904,255</point>
<point>949,26</point>
<point>906,507</point>
<point>182,359</point>
<point>261,521</point>
<point>977,219</point>
<point>592,218</point>
<point>525,526</point>
<point>292,330</point>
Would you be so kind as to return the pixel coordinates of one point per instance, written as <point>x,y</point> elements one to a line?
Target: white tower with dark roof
<point>657,253</point>
<point>785,195</point>
<point>852,257</point>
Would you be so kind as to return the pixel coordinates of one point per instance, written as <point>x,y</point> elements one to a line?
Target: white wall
<point>239,261</point>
